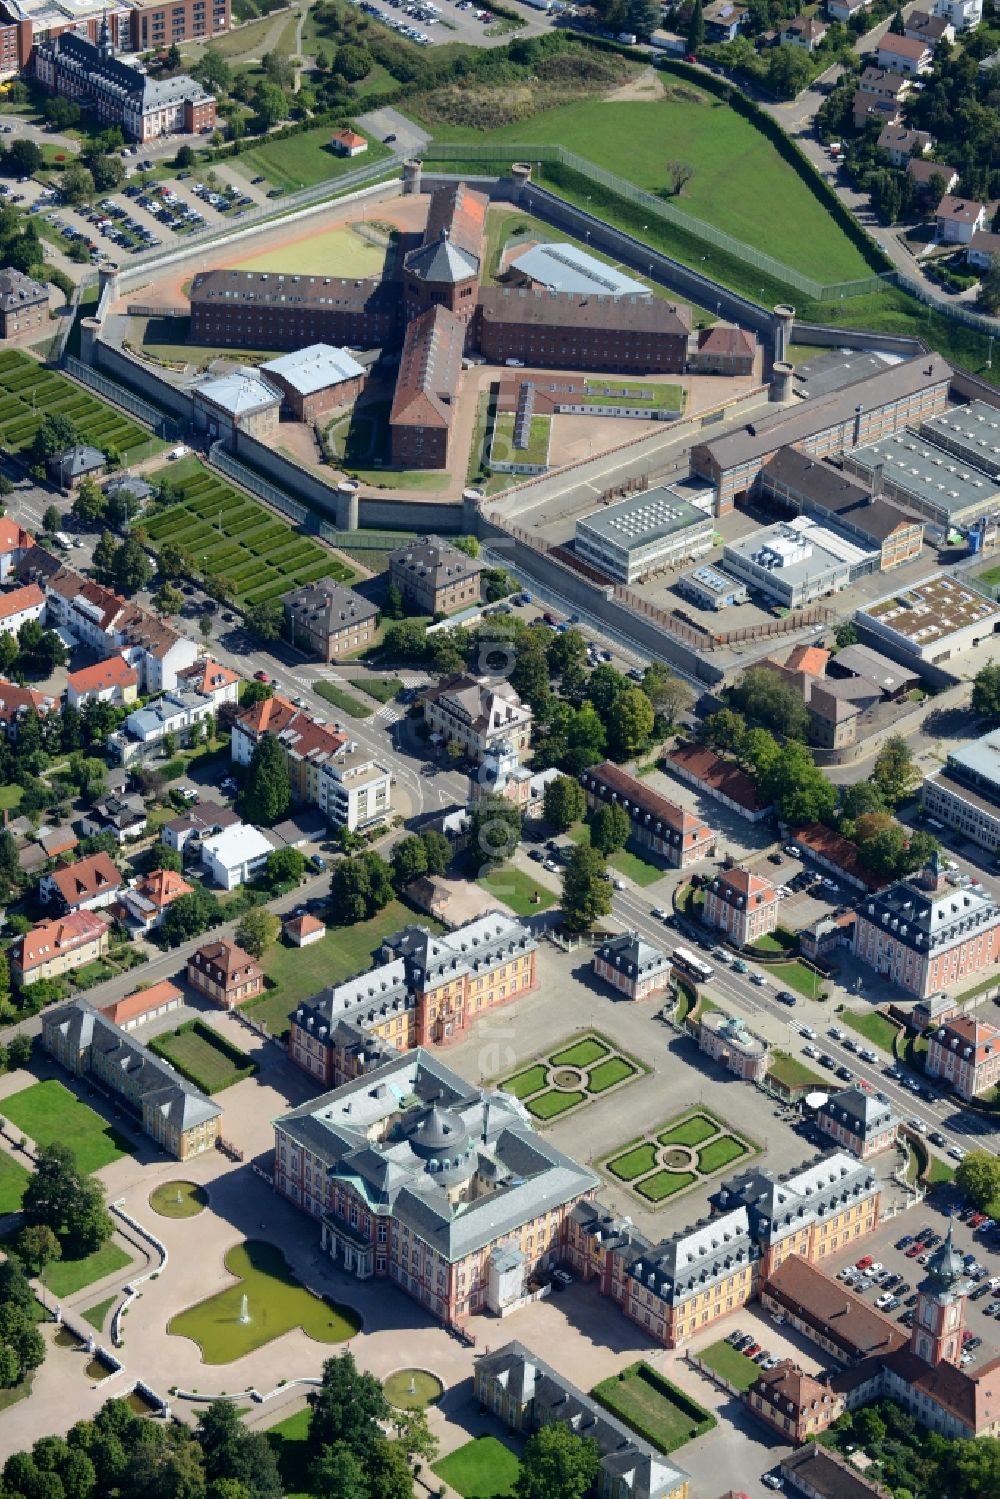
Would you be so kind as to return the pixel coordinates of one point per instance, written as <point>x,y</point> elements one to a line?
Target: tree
<point>978,1177</point>
<point>257,931</point>
<point>696,29</point>
<point>267,792</point>
<point>496,583</point>
<point>18,1051</point>
<point>270,105</point>
<point>610,828</point>
<point>173,561</point>
<point>54,435</point>
<point>189,916</point>
<point>23,158</point>
<point>883,849</point>
<point>494,829</point>
<point>51,520</point>
<point>566,649</point>
<point>765,696</point>
<point>437,849</point>
<point>586,889</point>
<point>168,600</point>
<point>185,157</point>
<point>414,1435</point>
<point>787,72</point>
<point>409,860</point>
<point>858,799</point>
<point>355,63</point>
<point>105,553</point>
<point>37,1246</point>
<point>895,771</point>
<point>564,803</point>
<point>40,652</point>
<point>630,727</point>
<point>132,568</point>
<point>337,1474</point>
<point>346,1409</point>
<point>205,625</point>
<point>845,634</point>
<point>213,71</point>
<point>802,793</point>
<point>285,866</point>
<point>989,286</point>
<point>679,173</point>
<point>670,695</point>
<point>360,887</point>
<point>986,691</point>
<point>266,620</point>
<point>393,606</point>
<point>60,1197</point>
<point>76,183</point>
<point>557,1464</point>
<point>278,69</point>
<point>163,857</point>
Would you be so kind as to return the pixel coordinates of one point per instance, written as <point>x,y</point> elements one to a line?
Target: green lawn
<point>730,1365</point>
<point>502,449</point>
<point>663,1184</point>
<point>795,975</point>
<point>29,391</point>
<point>548,1105</point>
<point>523,1084</point>
<point>277,1302</point>
<point>301,160</point>
<point>10,796</point>
<point>382,689</point>
<point>719,1153</point>
<point>690,1131</point>
<point>792,1073</point>
<point>517,890</point>
<point>13,1180</point>
<point>346,702</point>
<point>620,393</point>
<point>64,1277</point>
<point>740,182</point>
<point>299,972</point>
<point>633,866</point>
<point>203,1056</point>
<point>581,1054</point>
<point>607,1074</point>
<point>48,1112</point>
<point>178,1199</point>
<point>876,1028</point>
<point>642,1398</point>
<point>633,1163</point>
<point>289,1440</point>
<point>97,1315</point>
<point>778,941</point>
<point>938,1172</point>
<point>483,1469</point>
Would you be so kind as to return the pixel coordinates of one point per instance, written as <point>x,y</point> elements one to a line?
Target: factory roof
<point>314,368</point>
<point>569,268</point>
<point>642,519</point>
<point>973,429</point>
<point>930,610</point>
<point>980,759</point>
<point>930,473</point>
<point>833,491</point>
<point>796,550</point>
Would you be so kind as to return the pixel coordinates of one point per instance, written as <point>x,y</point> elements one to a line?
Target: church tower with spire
<point>939,1315</point>
<point>104,46</point>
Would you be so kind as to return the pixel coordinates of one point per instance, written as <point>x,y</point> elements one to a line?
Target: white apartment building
<point>354,790</point>
<point>235,855</point>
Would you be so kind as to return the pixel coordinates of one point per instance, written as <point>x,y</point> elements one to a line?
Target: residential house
<point>502,774</point>
<point>110,681</point>
<point>86,885</point>
<point>54,948</point>
<point>845,10</point>
<point>124,817</point>
<point>435,577</point>
<point>69,468</point>
<point>819,1473</point>
<point>201,820</point>
<point>19,606</point>
<point>922,26</point>
<point>15,543</point>
<point>741,904</point>
<point>170,717</point>
<point>720,779</point>
<point>148,900</point>
<point>724,21</point>
<point>964,15</point>
<point>303,931</point>
<point>328,620</point>
<point>862,1122</point>
<point>982,249</point>
<point>348,142</point>
<point>932,177</point>
<point>905,54</point>
<point>806,32</point>
<point>956,220</point>
<point>98,618</point>
<point>144,1005</point>
<point>633,966</point>
<point>174,1113</point>
<point>17,702</point>
<point>880,91</point>
<point>793,1403</point>
<point>24,303</point>
<point>926,935</point>
<point>526,1394</point>
<point>220,684</point>
<point>477,714</point>
<point>355,789</point>
<point>225,974</point>
<point>900,143</point>
<point>669,830</point>
<point>235,855</point>
<point>132,491</point>
<point>966,1053</point>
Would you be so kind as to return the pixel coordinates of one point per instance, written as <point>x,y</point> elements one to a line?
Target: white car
<point>773,1481</point>
<point>918,1125</point>
<point>808,1032</point>
<point>809,1051</point>
<point>957,1153</point>
<point>758,979</point>
<point>875,1268</point>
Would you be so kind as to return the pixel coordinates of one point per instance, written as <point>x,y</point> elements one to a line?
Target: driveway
<point>383,122</point>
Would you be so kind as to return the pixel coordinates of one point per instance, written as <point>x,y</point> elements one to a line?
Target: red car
<point>863,1264</point>
<point>751,1351</point>
<point>914,1250</point>
<point>261,676</point>
<point>976,1220</point>
<point>690,57</point>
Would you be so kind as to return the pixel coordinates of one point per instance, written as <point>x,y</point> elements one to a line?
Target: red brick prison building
<point>268,310</point>
<point>423,407</point>
<point>444,270</point>
<point>562,330</point>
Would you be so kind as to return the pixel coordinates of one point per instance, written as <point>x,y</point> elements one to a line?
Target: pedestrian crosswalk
<point>389,714</point>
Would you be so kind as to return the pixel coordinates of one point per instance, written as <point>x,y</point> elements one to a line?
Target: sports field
<point>334,252</point>
<point>230,535</point>
<point>28,393</point>
<point>739,183</point>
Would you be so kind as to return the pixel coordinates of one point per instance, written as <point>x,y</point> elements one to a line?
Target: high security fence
<point>162,425</point>
<point>667,213</point>
<point>257,484</point>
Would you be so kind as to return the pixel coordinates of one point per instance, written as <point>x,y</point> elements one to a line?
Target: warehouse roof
<point>644,518</point>
<point>930,473</point>
<point>568,268</point>
<point>241,393</point>
<point>314,368</point>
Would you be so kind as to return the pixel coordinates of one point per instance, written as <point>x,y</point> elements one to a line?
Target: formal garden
<point>49,1114</point>
<point>264,1301</point>
<point>572,1075</point>
<point>671,1158</point>
<point>29,392</point>
<point>204,1057</point>
<point>654,1408</point>
<point>484,1468</point>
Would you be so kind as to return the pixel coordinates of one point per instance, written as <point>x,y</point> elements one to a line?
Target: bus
<point>693,967</point>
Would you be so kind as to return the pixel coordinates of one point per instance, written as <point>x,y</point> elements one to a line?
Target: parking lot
<point>428,21</point>
<point>981,1250</point>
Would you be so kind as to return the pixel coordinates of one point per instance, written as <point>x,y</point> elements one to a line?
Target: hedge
<point>702,1420</point>
<point>218,1043</point>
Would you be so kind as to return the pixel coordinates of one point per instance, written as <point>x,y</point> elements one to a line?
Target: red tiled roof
<point>13,538</point>
<point>811,659</point>
<point>228,960</point>
<point>968,1031</point>
<point>743,882</point>
<point>19,599</point>
<point>903,46</point>
<point>856,1328</point>
<point>719,775</point>
<point>141,1002</point>
<point>971,1395</point>
<point>114,672</point>
<point>840,851</point>
<point>349,138</point>
<point>645,800</point>
<point>726,341</point>
<point>50,938</point>
<point>208,676</point>
<point>429,370</point>
<point>300,734</point>
<point>162,887</point>
<point>14,699</point>
<point>304,926</point>
<point>86,878</point>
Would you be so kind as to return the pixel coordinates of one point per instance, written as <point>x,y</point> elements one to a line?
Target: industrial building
<point>965,795</point>
<point>796,562</point>
<point>423,405</point>
<point>268,310</point>
<point>948,490</point>
<point>642,534</point>
<point>826,425</point>
<point>932,620</point>
<point>568,268</point>
<point>811,487</point>
<point>709,588</point>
